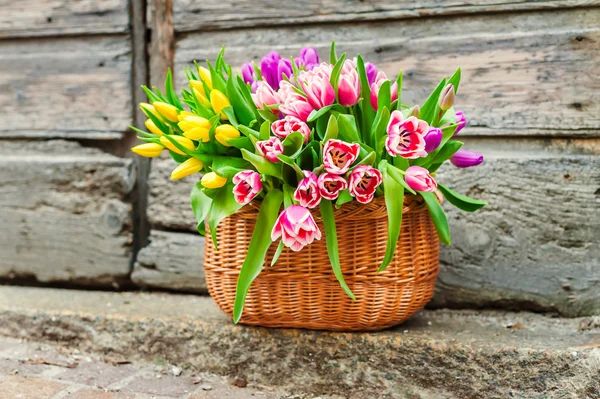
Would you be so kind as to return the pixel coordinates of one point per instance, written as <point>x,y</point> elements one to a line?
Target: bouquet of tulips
<point>296,134</point>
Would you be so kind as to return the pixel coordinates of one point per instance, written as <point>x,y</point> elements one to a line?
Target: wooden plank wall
<point>532,95</point>
<point>66,101</point>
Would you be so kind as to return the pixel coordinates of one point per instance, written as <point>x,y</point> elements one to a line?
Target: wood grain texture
<point>162,43</point>
<point>66,87</point>
<point>34,18</point>
<point>535,246</point>
<point>201,15</point>
<point>523,74</point>
<point>65,213</point>
<point>172,261</point>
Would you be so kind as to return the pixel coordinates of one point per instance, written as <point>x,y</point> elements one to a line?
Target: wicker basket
<point>301,291</point>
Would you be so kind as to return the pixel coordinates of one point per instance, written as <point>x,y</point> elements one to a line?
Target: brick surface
<point>157,384</point>
<point>96,374</point>
<point>92,394</point>
<point>15,387</point>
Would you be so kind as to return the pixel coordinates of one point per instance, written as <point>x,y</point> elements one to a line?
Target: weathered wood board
<point>28,18</point>
<point>66,87</point>
<point>65,213</point>
<point>171,261</point>
<point>535,246</point>
<point>524,74</point>
<point>196,15</point>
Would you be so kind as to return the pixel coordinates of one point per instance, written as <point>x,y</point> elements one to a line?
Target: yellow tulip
<point>196,128</point>
<point>185,142</point>
<point>201,97</point>
<point>218,102</point>
<point>205,76</point>
<point>187,168</point>
<point>150,125</point>
<point>168,111</point>
<point>198,85</point>
<point>148,150</point>
<point>226,132</point>
<point>149,109</point>
<point>213,180</point>
<point>183,114</point>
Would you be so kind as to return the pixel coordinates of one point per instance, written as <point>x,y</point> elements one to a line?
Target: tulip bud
<point>466,159</point>
<point>196,128</point>
<point>433,139</point>
<point>213,180</point>
<point>371,71</point>
<point>309,55</point>
<point>148,150</point>
<point>198,85</point>
<point>148,109</point>
<point>189,167</point>
<point>248,72</point>
<point>201,97</point>
<point>415,111</point>
<point>218,101</point>
<point>205,76</point>
<point>151,126</point>
<point>168,111</point>
<point>226,132</point>
<point>185,142</point>
<point>461,120</point>
<point>419,179</point>
<point>447,97</point>
<point>183,114</point>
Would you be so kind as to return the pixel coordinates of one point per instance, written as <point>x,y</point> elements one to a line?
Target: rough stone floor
<point>30,370</point>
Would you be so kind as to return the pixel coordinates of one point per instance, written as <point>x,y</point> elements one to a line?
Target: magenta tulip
<point>331,184</point>
<point>406,138</point>
<point>466,159</point>
<point>248,73</point>
<point>268,68</point>
<point>307,193</point>
<point>338,156</point>
<point>247,186</point>
<point>461,120</point>
<point>371,71</point>
<point>296,227</point>
<point>433,139</point>
<point>363,181</point>
<point>270,148</point>
<point>348,87</point>
<point>419,179</point>
<point>290,124</point>
<point>309,55</point>
<point>265,97</point>
<point>376,85</point>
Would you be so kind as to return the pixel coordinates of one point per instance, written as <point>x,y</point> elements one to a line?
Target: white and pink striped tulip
<point>406,137</point>
<point>307,193</point>
<point>296,227</point>
<point>363,181</point>
<point>247,186</point>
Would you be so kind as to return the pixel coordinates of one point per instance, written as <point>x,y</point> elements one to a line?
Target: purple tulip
<point>461,120</point>
<point>284,67</point>
<point>309,55</point>
<point>433,138</point>
<point>268,68</point>
<point>371,70</point>
<point>248,72</point>
<point>466,159</point>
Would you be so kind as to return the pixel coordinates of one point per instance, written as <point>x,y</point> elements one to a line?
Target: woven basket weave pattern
<point>301,291</point>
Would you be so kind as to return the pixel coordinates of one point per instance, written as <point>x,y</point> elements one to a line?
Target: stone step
<point>437,354</point>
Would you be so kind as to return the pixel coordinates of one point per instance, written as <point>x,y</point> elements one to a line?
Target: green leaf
<point>200,205</point>
<point>461,201</point>
<point>217,79</point>
<point>427,112</point>
<point>332,129</point>
<point>399,177</point>
<point>335,73</point>
<point>368,113</point>
<point>262,165</point>
<point>380,129</point>
<point>447,151</point>
<point>292,144</point>
<point>243,111</point>
<point>384,97</point>
<point>267,115</point>
<point>246,131</point>
<point>343,198</point>
<point>347,129</point>
<point>394,202</point>
<point>369,159</point>
<point>332,54</point>
<point>247,94</point>
<point>223,205</point>
<point>332,244</point>
<point>230,113</point>
<point>455,80</point>
<point>399,81</point>
<point>170,91</point>
<point>241,142</point>
<point>265,130</point>
<point>278,251</point>
<point>321,126</point>
<point>259,244</point>
<point>291,162</point>
<point>314,115</point>
<point>437,216</point>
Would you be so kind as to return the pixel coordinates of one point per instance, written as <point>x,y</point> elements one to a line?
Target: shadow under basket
<point>301,291</point>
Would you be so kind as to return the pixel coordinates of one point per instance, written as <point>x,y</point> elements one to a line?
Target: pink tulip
<point>330,185</point>
<point>307,193</point>
<point>265,96</point>
<point>318,89</point>
<point>247,186</point>
<point>406,137</point>
<point>297,106</point>
<point>419,179</point>
<point>348,87</point>
<point>338,156</point>
<point>379,79</point>
<point>461,120</point>
<point>296,227</point>
<point>270,148</point>
<point>362,183</point>
<point>290,124</point>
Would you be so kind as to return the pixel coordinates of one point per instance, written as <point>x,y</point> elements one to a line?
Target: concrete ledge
<point>441,353</point>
